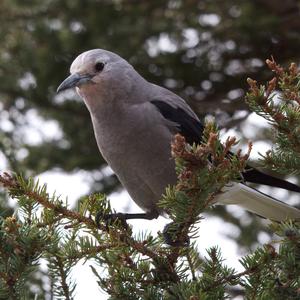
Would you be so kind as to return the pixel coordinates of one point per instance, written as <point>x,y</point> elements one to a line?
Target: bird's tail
<point>255,176</point>
<point>257,202</point>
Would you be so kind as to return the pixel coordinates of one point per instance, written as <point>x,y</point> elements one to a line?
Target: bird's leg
<point>110,218</point>
<point>147,216</point>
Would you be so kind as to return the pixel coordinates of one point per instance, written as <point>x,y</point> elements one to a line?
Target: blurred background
<point>201,50</point>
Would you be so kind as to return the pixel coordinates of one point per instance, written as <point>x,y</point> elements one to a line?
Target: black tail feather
<point>255,176</point>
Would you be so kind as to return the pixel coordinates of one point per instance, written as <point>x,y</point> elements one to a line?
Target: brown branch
<point>11,184</point>
<point>63,277</point>
<point>93,250</point>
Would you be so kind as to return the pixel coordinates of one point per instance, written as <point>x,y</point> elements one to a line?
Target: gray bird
<point>134,123</point>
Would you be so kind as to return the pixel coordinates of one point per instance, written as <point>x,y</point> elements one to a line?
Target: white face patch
<point>78,91</point>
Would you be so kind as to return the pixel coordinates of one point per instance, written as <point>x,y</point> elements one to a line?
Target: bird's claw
<point>110,219</point>
<point>172,236</point>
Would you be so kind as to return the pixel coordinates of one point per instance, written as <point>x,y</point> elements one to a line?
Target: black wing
<point>192,129</point>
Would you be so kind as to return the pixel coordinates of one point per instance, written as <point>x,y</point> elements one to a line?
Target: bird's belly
<point>144,168</point>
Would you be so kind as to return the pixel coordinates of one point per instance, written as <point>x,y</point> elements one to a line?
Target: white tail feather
<point>258,203</point>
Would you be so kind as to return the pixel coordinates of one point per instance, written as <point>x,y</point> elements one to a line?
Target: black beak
<point>72,81</point>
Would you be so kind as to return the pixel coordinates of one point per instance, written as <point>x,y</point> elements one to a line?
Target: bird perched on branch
<point>134,123</point>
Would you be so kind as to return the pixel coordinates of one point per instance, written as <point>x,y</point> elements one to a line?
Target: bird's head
<point>94,72</point>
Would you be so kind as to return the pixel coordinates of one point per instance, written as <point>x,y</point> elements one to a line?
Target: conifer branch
<point>278,102</point>
<point>143,267</point>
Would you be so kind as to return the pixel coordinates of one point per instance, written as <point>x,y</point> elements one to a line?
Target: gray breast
<point>138,149</point>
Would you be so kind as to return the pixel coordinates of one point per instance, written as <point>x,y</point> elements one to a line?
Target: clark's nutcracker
<point>134,123</point>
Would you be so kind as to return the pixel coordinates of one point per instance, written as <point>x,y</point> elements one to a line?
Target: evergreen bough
<point>142,266</point>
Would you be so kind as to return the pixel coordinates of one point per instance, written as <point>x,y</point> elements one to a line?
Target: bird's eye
<point>99,66</point>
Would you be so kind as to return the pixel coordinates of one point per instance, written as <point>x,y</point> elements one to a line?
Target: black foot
<point>173,237</point>
<point>111,218</point>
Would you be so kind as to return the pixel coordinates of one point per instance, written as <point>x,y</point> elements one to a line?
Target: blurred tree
<point>202,50</point>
